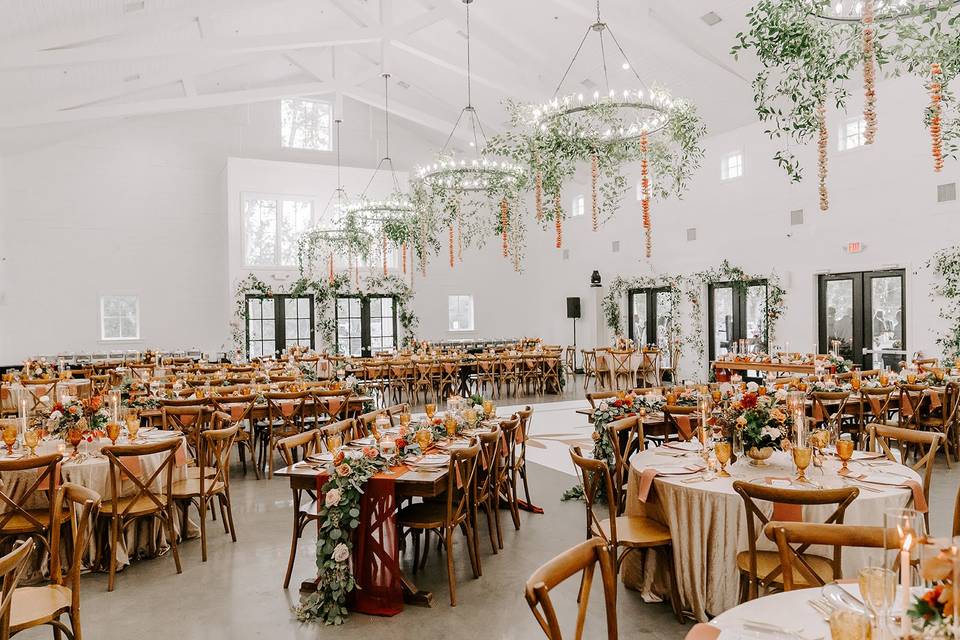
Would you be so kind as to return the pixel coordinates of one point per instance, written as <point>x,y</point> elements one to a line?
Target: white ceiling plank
<point>450,66</point>
<point>149,107</point>
<point>696,37</point>
<point>401,110</point>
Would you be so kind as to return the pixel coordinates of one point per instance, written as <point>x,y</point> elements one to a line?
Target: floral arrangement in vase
<point>934,609</point>
<point>39,370</point>
<point>59,418</point>
<point>839,364</point>
<point>760,423</point>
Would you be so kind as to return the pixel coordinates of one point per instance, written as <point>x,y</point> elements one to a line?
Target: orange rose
<point>343,469</point>
<point>338,458</point>
<point>370,452</point>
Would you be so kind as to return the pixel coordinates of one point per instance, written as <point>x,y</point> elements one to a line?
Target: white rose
<point>478,407</point>
<point>56,415</point>
<point>771,432</point>
<point>341,553</point>
<point>602,407</point>
<point>781,394</point>
<point>332,498</point>
<point>726,388</point>
<point>752,387</point>
<point>45,399</point>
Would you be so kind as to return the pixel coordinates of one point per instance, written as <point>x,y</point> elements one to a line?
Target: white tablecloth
<point>708,524</point>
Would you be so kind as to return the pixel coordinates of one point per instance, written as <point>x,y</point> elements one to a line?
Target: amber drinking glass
<point>113,431</point>
<point>31,438</point>
<point>430,408</point>
<point>844,452</point>
<point>801,458</point>
<point>723,450</point>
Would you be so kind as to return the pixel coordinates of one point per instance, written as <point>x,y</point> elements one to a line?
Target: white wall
<point>883,196</point>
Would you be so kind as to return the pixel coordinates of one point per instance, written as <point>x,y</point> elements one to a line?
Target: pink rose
<point>343,469</point>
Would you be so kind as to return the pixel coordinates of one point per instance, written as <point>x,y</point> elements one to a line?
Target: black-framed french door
<point>366,325</point>
<point>863,311</point>
<point>650,312</point>
<point>737,311</point>
<point>277,322</point>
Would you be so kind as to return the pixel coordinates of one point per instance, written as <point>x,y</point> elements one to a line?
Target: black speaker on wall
<point>573,307</point>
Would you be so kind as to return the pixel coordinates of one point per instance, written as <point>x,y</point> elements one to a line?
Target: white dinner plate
<point>678,471</point>
<point>363,442</point>
<point>321,457</point>
<point>683,446</point>
<point>432,460</point>
<point>888,479</point>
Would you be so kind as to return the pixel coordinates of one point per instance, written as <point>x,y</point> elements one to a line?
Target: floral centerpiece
<point>59,418</point>
<point>760,422</point>
<point>934,609</point>
<point>339,513</point>
<point>38,370</point>
<point>133,394</point>
<point>839,364</point>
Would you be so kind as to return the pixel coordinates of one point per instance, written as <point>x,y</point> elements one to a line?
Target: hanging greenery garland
<point>945,265</point>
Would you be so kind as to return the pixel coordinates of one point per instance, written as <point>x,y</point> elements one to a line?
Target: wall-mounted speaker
<point>573,307</point>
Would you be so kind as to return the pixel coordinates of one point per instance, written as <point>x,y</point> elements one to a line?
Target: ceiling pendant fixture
<point>469,192</point>
<point>388,218</point>
<point>327,242</point>
<point>607,129</point>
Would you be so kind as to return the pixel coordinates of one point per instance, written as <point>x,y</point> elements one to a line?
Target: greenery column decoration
<point>945,264</point>
<point>676,338</point>
<point>238,327</point>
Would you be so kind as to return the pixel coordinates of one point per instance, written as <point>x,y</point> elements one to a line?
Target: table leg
<point>413,595</point>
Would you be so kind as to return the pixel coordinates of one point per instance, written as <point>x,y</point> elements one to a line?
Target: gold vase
<point>758,456</point>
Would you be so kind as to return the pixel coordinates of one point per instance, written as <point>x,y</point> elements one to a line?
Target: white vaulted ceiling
<point>69,61</point>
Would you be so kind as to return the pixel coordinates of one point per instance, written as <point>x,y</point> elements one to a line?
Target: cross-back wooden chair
<point>648,370</point>
<point>626,438</point>
<point>487,491</point>
<point>531,373</point>
<point>506,376</point>
<point>942,418</point>
<point>789,536</point>
<point>401,379</point>
<point>36,389</point>
<point>304,512</point>
<point>914,401</point>
<point>569,360</point>
<point>680,424</point>
<point>213,481</point>
<point>830,409</point>
<point>589,367</point>
<point>188,417</point>
<point>346,429</point>
<point>134,498</point>
<point>622,368</point>
<point>285,413</point>
<point>446,516</point>
<point>240,408</point>
<point>878,401</point>
<point>520,463</point>
<point>761,569</point>
<point>46,605</point>
<point>623,534</point>
<point>423,381</point>
<point>12,567</point>
<point>926,364</point>
<point>395,411</point>
<point>551,373</point>
<point>367,421</point>
<point>20,492</point>
<point>925,442</point>
<point>583,559</point>
<point>507,470</point>
<point>449,378</point>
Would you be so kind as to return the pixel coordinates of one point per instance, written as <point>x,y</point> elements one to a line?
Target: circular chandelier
<point>651,113</point>
<point>854,10</point>
<point>475,175</point>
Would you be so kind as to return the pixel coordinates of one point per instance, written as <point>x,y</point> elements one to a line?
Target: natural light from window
<point>271,227</point>
<point>119,318</point>
<point>460,310</point>
<point>576,207</point>
<point>305,124</point>
<point>851,134</point>
<point>732,166</point>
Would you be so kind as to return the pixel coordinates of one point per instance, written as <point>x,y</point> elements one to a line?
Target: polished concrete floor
<point>237,593</point>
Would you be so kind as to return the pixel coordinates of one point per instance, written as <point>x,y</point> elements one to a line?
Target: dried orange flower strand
<point>384,251</point>
<point>504,224</point>
<point>645,192</point>
<point>594,162</point>
<point>403,260</point>
<point>869,74</point>
<point>451,246</point>
<point>330,264</point>
<point>558,219</point>
<point>538,195</point>
<point>936,97</point>
<point>822,142</point>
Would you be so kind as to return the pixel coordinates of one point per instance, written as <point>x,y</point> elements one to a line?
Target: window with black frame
<point>650,323</point>
<point>366,325</point>
<point>277,322</point>
<point>737,315</point>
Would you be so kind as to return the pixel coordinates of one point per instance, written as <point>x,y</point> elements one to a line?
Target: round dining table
<point>708,521</point>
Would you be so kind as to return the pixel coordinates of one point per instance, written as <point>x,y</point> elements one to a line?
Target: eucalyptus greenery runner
<point>810,49</point>
<point>339,516</point>
<point>946,290</point>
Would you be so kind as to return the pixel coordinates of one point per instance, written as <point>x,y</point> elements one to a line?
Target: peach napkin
<point>132,465</point>
<point>333,406</point>
<point>236,411</point>
<point>684,425</point>
<point>647,476</point>
<point>703,631</point>
<point>782,511</point>
<point>45,484</point>
<point>919,500</point>
<point>287,408</point>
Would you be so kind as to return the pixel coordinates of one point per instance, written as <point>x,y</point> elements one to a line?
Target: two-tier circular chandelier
<point>456,192</point>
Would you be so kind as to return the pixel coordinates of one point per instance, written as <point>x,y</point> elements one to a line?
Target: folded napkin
<point>919,500</point>
<point>934,399</point>
<point>45,484</point>
<point>782,511</point>
<point>703,631</point>
<point>648,474</point>
<point>236,411</point>
<point>685,426</point>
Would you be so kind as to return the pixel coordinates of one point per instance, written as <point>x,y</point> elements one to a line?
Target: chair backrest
<point>366,421</point>
<point>595,397</point>
<point>913,399</point>
<point>308,440</point>
<point>216,446</point>
<point>462,482</point>
<point>489,463</point>
<point>680,420</point>
<point>878,401</point>
<point>596,482</point>
<point>83,505</point>
<point>751,493</point>
<point>526,416</point>
<point>286,406</point>
<point>121,471</point>
<point>582,558</point>
<point>18,503</point>
<point>238,407</point>
<point>190,420</point>
<point>12,567</point>
<point>621,361</point>
<point>806,534</point>
<point>508,446</point>
<point>882,435</point>
<point>335,402</point>
<point>626,437</point>
<point>829,406</point>
<point>346,429</point>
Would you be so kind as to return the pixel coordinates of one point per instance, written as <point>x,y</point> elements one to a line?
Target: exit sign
<point>854,247</point>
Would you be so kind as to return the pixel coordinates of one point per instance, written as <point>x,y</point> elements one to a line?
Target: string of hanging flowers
<point>936,139</point>
<point>459,239</point>
<point>594,162</point>
<point>869,74</point>
<point>504,224</point>
<point>403,259</point>
<point>645,192</point>
<point>451,245</point>
<point>822,141</point>
<point>330,264</point>
<point>558,218</point>
<point>384,251</point>
<point>538,195</point>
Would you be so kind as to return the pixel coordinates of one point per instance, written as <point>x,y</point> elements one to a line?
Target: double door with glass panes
<point>650,319</point>
<point>738,317</point>
<point>277,322</point>
<point>863,314</point>
<point>366,325</point>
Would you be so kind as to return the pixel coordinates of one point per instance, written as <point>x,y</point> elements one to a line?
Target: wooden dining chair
<point>507,375</point>
<point>346,429</point>
<point>330,405</point>
<point>487,490</point>
<point>367,421</point>
<point>761,569</point>
<point>830,410</point>
<point>46,605</point>
<point>551,373</point>
<point>623,534</point>
<point>878,409</point>
<point>626,438</point>
<point>531,374</point>
<point>680,424</point>
<point>914,401</point>
<point>580,559</point>
<point>395,411</point>
<point>602,372</point>
<point>622,368</point>
<point>123,509</point>
<point>942,418</point>
<point>507,470</point>
<point>791,536</point>
<point>240,409</point>
<point>12,567</point>
<point>190,420</point>
<point>285,413</point>
<point>520,463</point>
<point>213,481</point>
<point>921,442</point>
<point>304,512</point>
<point>449,384</point>
<point>22,485</point>
<point>423,381</point>
<point>446,517</point>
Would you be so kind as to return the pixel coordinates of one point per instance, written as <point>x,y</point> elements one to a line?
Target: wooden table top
<point>408,483</point>
<point>763,366</point>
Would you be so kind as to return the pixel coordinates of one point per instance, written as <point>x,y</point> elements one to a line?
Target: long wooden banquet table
<point>153,417</point>
<point>765,367</point>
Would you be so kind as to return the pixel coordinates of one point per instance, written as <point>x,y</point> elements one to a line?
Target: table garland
<point>339,514</point>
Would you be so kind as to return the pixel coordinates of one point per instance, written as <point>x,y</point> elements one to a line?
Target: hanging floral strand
<point>822,155</point>
<point>936,87</point>
<point>594,162</point>
<point>459,239</point>
<point>538,195</point>
<point>403,260</point>
<point>505,224</point>
<point>384,254</point>
<point>356,271</point>
<point>558,218</point>
<point>869,75</point>
<point>645,192</point>
<point>451,245</point>
<point>330,264</point>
